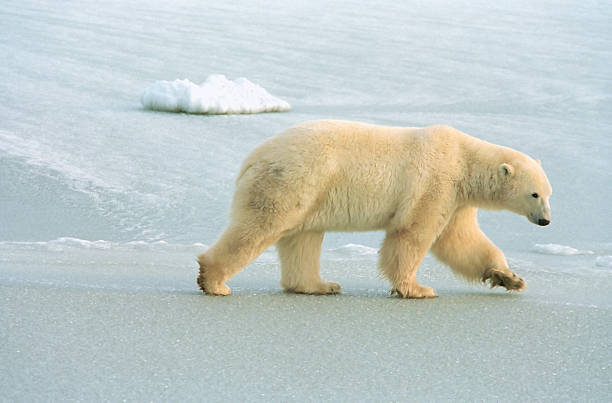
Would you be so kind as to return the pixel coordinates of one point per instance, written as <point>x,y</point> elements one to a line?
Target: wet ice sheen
<point>104,205</point>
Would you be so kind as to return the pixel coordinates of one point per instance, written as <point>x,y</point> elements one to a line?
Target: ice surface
<point>104,205</point>
<point>107,324</point>
<point>216,95</point>
<point>604,261</point>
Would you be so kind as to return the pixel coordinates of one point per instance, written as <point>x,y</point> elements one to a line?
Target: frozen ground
<point>82,161</point>
<point>126,322</point>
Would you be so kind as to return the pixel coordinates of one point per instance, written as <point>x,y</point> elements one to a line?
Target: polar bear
<point>422,186</point>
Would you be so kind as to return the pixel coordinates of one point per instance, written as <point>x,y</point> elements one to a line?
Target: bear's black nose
<point>543,221</point>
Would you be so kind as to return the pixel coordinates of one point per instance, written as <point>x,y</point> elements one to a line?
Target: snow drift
<point>560,250</point>
<point>216,95</point>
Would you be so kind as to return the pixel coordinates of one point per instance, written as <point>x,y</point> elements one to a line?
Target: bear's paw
<point>414,291</point>
<point>212,288</point>
<point>504,278</point>
<point>322,288</point>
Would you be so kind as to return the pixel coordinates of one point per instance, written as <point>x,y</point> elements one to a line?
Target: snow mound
<point>217,95</point>
<point>561,250</point>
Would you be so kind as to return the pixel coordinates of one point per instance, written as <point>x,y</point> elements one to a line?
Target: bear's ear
<point>539,163</point>
<point>506,170</point>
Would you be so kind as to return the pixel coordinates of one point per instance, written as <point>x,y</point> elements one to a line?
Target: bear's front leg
<point>469,253</point>
<point>400,256</point>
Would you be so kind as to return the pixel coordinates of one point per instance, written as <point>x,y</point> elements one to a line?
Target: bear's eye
<point>535,195</point>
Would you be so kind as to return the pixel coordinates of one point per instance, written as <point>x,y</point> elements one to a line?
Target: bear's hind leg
<point>300,264</point>
<point>236,248</point>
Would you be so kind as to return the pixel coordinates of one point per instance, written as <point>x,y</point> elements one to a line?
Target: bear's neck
<point>481,183</point>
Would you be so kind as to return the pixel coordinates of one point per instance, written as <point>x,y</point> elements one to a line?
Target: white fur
<point>421,185</point>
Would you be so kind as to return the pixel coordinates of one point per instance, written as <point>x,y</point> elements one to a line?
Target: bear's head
<point>525,189</point>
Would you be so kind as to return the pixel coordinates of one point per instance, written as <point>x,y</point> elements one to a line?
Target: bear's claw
<point>333,288</point>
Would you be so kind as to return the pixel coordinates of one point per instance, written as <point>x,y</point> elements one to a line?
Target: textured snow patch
<point>216,95</point>
<point>64,243</point>
<point>561,250</point>
<point>70,244</point>
<point>604,261</point>
<point>355,249</point>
